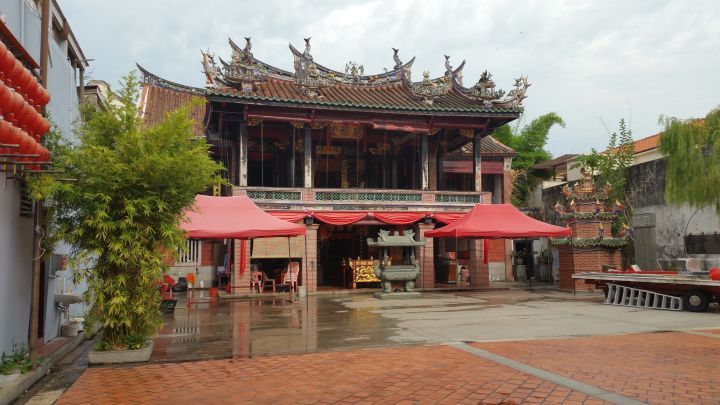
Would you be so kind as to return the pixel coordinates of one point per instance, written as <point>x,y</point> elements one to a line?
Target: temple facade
<point>348,154</point>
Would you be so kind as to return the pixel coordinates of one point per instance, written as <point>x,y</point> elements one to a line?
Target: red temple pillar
<point>241,267</point>
<point>311,259</point>
<point>479,271</point>
<point>425,255</point>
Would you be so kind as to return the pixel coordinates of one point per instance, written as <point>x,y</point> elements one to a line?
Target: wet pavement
<point>202,328</point>
<point>509,346</point>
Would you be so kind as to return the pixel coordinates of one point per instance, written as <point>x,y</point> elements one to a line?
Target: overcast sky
<point>591,62</point>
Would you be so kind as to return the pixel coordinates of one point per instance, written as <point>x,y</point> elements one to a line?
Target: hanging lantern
<point>23,116</point>
<point>7,61</point>
<point>5,97</point>
<point>43,126</point>
<point>5,132</point>
<point>24,80</point>
<point>43,97</point>
<point>14,74</point>
<point>44,154</point>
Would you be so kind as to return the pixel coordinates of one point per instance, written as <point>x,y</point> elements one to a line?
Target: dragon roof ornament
<point>244,73</point>
<point>484,91</point>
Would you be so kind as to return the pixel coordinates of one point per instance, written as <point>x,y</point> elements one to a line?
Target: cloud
<point>592,62</point>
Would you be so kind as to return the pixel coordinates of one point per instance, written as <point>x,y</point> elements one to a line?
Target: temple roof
<point>160,96</point>
<point>489,146</point>
<point>311,84</point>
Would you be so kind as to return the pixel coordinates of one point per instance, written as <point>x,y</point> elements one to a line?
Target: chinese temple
<point>348,154</point>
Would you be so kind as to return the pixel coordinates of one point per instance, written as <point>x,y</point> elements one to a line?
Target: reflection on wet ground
<point>202,328</point>
<point>212,329</point>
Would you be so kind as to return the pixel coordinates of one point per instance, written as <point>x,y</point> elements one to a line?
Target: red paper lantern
<point>5,132</point>
<point>14,74</point>
<point>26,142</point>
<point>5,97</point>
<point>43,96</point>
<point>44,126</point>
<point>44,154</point>
<point>714,274</point>
<point>24,81</point>
<point>7,60</point>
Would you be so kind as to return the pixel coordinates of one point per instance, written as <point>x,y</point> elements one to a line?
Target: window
<point>191,253</point>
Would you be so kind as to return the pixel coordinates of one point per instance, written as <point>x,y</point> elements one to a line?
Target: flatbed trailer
<point>696,292</point>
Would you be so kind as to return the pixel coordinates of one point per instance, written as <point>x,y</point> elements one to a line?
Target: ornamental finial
<point>396,58</point>
<point>306,53</point>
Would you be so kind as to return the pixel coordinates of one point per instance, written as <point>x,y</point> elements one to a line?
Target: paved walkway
<point>492,348</point>
<point>657,368</point>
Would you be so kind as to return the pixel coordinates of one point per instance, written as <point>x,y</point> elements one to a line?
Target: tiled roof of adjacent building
<point>560,160</point>
<point>159,97</point>
<point>489,146</point>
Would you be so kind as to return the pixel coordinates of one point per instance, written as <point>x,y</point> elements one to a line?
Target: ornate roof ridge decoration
<point>354,72</point>
<point>243,72</point>
<point>157,81</point>
<point>484,91</point>
<point>429,89</point>
<point>271,70</point>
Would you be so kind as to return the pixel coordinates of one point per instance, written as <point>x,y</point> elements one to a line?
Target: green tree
<point>692,152</point>
<point>529,143</point>
<point>131,185</point>
<point>612,165</point>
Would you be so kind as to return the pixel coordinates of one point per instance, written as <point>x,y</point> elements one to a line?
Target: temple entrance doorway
<point>344,258</point>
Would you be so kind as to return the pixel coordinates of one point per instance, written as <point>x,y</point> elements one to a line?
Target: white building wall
<point>25,23</point>
<point>15,265</point>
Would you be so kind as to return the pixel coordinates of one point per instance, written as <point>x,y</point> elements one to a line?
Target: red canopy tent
<point>234,218</point>
<point>492,221</point>
<point>496,221</point>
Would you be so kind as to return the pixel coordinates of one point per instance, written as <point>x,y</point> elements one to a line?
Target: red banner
<point>340,218</point>
<point>398,218</point>
<point>290,216</point>
<point>447,218</point>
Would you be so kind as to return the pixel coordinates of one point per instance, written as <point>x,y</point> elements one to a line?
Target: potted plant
<point>132,184</point>
<point>519,257</point>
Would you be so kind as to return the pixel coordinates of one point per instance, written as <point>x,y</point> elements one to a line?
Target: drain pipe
<point>37,215</point>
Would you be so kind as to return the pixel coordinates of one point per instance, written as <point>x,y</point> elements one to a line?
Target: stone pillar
<point>479,272</point>
<point>311,259</point>
<point>307,158</point>
<point>477,164</point>
<point>242,165</point>
<point>425,177</point>
<point>425,255</point>
<point>241,282</point>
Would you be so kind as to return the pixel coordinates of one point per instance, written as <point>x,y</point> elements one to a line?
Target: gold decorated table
<point>363,271</point>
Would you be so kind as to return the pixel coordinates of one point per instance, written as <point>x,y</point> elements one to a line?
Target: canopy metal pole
<point>457,263</point>
<point>289,271</point>
<point>305,276</point>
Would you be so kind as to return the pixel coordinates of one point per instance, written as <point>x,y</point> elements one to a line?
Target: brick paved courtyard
<point>654,368</point>
<point>491,348</point>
